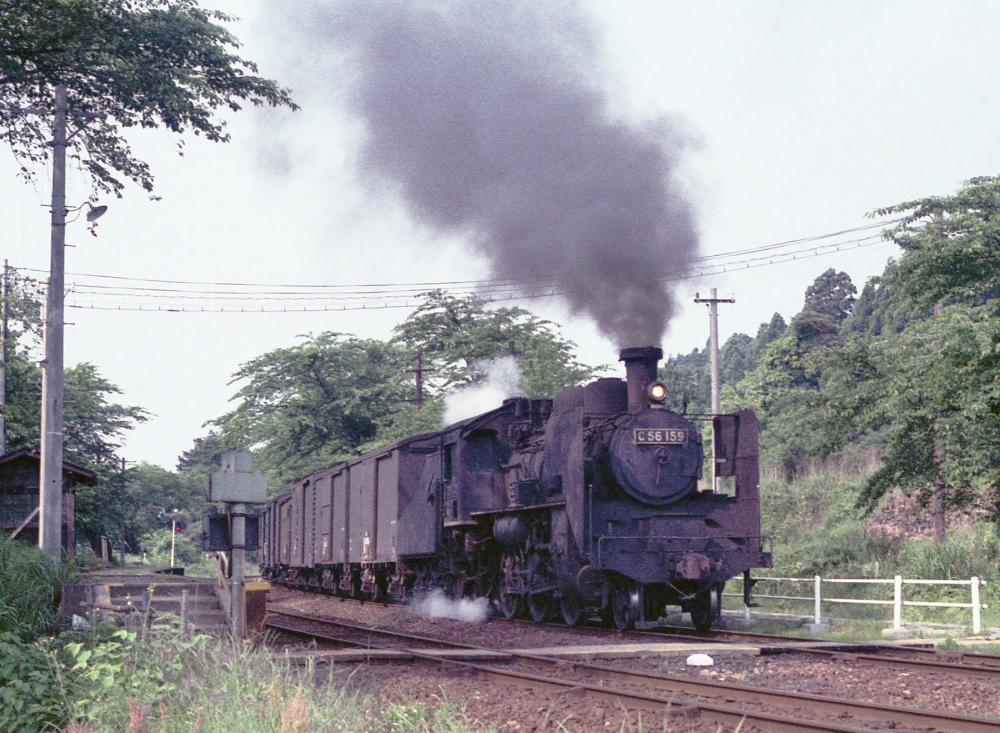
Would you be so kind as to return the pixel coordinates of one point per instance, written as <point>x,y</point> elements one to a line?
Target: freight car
<point>586,503</point>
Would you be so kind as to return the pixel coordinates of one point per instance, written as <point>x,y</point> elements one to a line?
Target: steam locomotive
<point>584,504</point>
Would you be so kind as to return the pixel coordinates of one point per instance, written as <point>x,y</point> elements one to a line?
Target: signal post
<point>236,486</point>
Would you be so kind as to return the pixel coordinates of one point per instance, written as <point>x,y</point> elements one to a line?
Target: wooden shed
<point>19,475</point>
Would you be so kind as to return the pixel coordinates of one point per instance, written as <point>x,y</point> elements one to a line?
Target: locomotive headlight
<point>657,392</point>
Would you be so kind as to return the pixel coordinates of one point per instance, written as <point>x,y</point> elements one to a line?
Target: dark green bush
<point>32,695</point>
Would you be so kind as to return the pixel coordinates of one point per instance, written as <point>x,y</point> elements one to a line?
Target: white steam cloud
<point>502,380</point>
<point>437,605</point>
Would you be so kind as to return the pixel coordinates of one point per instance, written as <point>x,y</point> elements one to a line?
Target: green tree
<point>159,496</point>
<point>951,245</point>
<point>204,456</point>
<point>786,388</point>
<point>767,334</point>
<point>457,336</point>
<point>335,396</point>
<point>687,375</point>
<point>157,546</point>
<point>881,307</point>
<point>94,424</point>
<point>734,358</point>
<point>831,295</point>
<point>937,385</point>
<point>315,404</point>
<point>688,383</point>
<point>943,429</point>
<point>135,63</point>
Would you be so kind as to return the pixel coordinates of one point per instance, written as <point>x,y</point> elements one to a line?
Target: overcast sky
<point>800,117</point>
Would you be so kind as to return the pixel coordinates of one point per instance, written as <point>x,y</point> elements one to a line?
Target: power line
<point>405,300</point>
<point>491,282</point>
<point>485,289</point>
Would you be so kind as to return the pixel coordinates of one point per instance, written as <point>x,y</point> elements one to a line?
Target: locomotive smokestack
<point>640,370</point>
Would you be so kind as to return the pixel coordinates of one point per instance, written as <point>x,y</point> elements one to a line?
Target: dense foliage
<point>94,423</point>
<point>126,63</point>
<point>910,368</point>
<point>108,679</point>
<point>456,337</point>
<point>333,396</point>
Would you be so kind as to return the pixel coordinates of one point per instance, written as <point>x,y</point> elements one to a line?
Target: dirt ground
<point>516,708</point>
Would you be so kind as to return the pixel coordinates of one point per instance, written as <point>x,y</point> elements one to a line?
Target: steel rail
<point>888,655</point>
<point>666,706</point>
<point>727,691</point>
<point>919,665</point>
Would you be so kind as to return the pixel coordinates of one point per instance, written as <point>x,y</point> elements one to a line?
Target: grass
<point>816,529</point>
<point>160,680</point>
<point>109,680</point>
<point>29,588</point>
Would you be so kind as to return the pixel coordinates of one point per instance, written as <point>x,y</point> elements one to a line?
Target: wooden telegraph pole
<point>419,370</point>
<point>3,358</point>
<point>50,478</point>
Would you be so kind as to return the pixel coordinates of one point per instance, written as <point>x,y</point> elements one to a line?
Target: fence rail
<point>897,602</point>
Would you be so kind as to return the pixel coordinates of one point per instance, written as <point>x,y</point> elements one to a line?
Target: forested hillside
<point>908,370</point>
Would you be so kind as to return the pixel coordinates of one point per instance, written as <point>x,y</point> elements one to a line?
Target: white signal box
<point>236,483</point>
<point>237,462</point>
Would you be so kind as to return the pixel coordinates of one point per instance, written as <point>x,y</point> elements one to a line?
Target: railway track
<point>913,657</point>
<point>723,703</point>
<point>923,658</point>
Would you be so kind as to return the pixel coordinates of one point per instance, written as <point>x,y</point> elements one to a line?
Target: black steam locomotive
<point>586,503</point>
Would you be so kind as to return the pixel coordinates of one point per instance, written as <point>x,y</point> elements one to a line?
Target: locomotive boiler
<point>584,504</point>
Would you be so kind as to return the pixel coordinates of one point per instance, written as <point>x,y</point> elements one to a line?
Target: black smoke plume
<point>489,118</point>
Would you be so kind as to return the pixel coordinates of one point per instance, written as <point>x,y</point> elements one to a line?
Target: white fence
<point>897,601</point>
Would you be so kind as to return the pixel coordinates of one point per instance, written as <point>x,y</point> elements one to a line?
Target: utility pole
<point>419,370</point>
<point>713,354</point>
<point>121,519</point>
<point>50,482</point>
<point>3,360</point>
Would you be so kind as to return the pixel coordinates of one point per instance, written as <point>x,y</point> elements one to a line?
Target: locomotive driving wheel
<point>572,610</point>
<point>540,607</point>
<point>511,603</point>
<point>626,603</point>
<point>706,607</point>
<point>540,603</point>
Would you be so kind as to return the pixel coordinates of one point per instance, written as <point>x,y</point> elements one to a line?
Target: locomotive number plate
<point>660,436</point>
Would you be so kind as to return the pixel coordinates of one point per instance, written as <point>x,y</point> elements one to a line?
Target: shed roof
<point>83,475</point>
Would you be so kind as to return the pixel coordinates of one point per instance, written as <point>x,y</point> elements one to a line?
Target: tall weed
<point>817,530</point>
<point>33,695</point>
<point>30,584</point>
<point>176,685</point>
